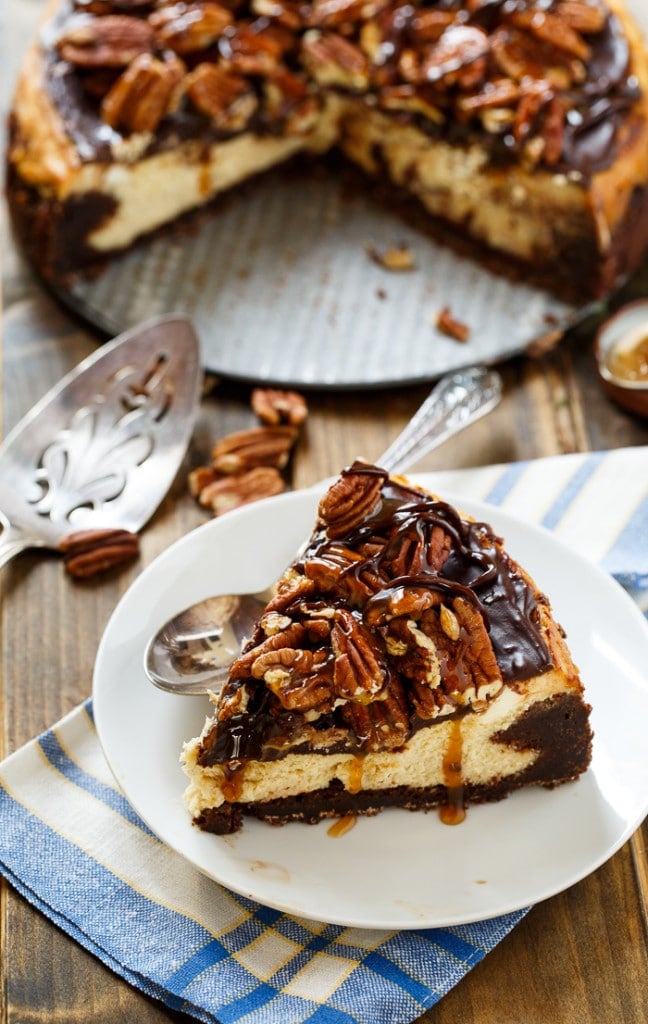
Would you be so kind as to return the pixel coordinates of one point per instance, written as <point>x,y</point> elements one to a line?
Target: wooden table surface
<point>579,958</point>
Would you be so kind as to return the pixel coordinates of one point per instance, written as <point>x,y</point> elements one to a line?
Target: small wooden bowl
<point>621,335</point>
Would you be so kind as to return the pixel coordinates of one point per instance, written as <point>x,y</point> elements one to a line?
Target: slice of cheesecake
<point>522,124</point>
<point>406,660</point>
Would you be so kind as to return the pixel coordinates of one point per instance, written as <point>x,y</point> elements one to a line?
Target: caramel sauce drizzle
<point>453,811</point>
<point>232,784</point>
<point>342,825</point>
<point>355,775</point>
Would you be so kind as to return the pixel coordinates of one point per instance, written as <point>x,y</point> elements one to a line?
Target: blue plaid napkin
<point>72,845</point>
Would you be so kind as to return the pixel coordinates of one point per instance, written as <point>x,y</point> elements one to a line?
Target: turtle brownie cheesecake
<point>406,660</point>
<point>523,124</point>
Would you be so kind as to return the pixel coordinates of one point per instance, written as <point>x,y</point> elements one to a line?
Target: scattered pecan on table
<point>246,465</point>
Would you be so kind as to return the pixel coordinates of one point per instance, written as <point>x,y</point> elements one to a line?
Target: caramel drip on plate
<point>342,825</point>
<point>453,811</point>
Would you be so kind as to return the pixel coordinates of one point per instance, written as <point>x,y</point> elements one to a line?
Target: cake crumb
<point>449,325</point>
<point>395,257</point>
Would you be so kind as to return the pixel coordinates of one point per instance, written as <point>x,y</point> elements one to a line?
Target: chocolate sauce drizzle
<point>477,569</point>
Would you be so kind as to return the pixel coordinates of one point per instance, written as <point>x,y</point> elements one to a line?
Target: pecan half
<point>334,60</point>
<point>498,93</point>
<point>553,131</point>
<point>359,672</point>
<point>414,653</point>
<point>417,551</point>
<point>459,57</point>
<point>349,501</point>
<point>411,601</point>
<point>112,6</point>
<point>226,98</point>
<point>586,16</point>
<point>260,446</point>
<point>471,672</point>
<point>88,552</point>
<point>299,679</point>
<point>523,57</point>
<point>382,724</point>
<point>326,567</point>
<point>142,94</point>
<point>325,13</point>
<point>414,99</point>
<point>187,28</point>
<point>200,478</point>
<point>429,25</point>
<point>230,492</point>
<point>284,12</point>
<point>288,100</point>
<point>112,41</point>
<point>255,49</point>
<point>552,29</point>
<point>274,406</point>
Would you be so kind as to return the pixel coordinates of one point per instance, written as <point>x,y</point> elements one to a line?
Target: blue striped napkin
<point>105,879</point>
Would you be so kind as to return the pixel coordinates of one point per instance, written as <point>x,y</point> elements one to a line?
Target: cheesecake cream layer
<point>420,764</point>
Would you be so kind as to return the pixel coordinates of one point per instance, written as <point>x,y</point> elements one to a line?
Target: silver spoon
<point>192,652</point>
<point>101,449</point>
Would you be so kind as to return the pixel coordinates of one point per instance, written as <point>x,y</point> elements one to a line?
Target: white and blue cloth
<point>72,845</point>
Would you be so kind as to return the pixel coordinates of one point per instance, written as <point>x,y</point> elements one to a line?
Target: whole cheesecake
<point>406,660</point>
<point>523,124</point>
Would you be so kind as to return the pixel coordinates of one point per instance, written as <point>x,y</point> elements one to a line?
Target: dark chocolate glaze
<point>590,143</point>
<point>476,569</point>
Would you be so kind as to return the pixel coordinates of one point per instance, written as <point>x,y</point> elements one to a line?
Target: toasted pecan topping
<point>142,94</point>
<point>112,41</point>
<point>225,97</point>
<point>349,501</point>
<point>185,28</point>
<point>359,666</point>
<point>475,62</point>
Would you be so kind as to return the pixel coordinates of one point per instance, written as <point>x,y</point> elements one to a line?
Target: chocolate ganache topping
<point>531,80</point>
<point>385,561</point>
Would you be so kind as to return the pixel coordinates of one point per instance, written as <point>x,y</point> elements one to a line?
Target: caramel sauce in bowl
<point>621,350</point>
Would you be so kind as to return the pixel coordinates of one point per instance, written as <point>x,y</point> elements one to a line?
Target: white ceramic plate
<point>399,869</point>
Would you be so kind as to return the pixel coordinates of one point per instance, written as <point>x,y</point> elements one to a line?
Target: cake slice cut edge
<point>406,660</point>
